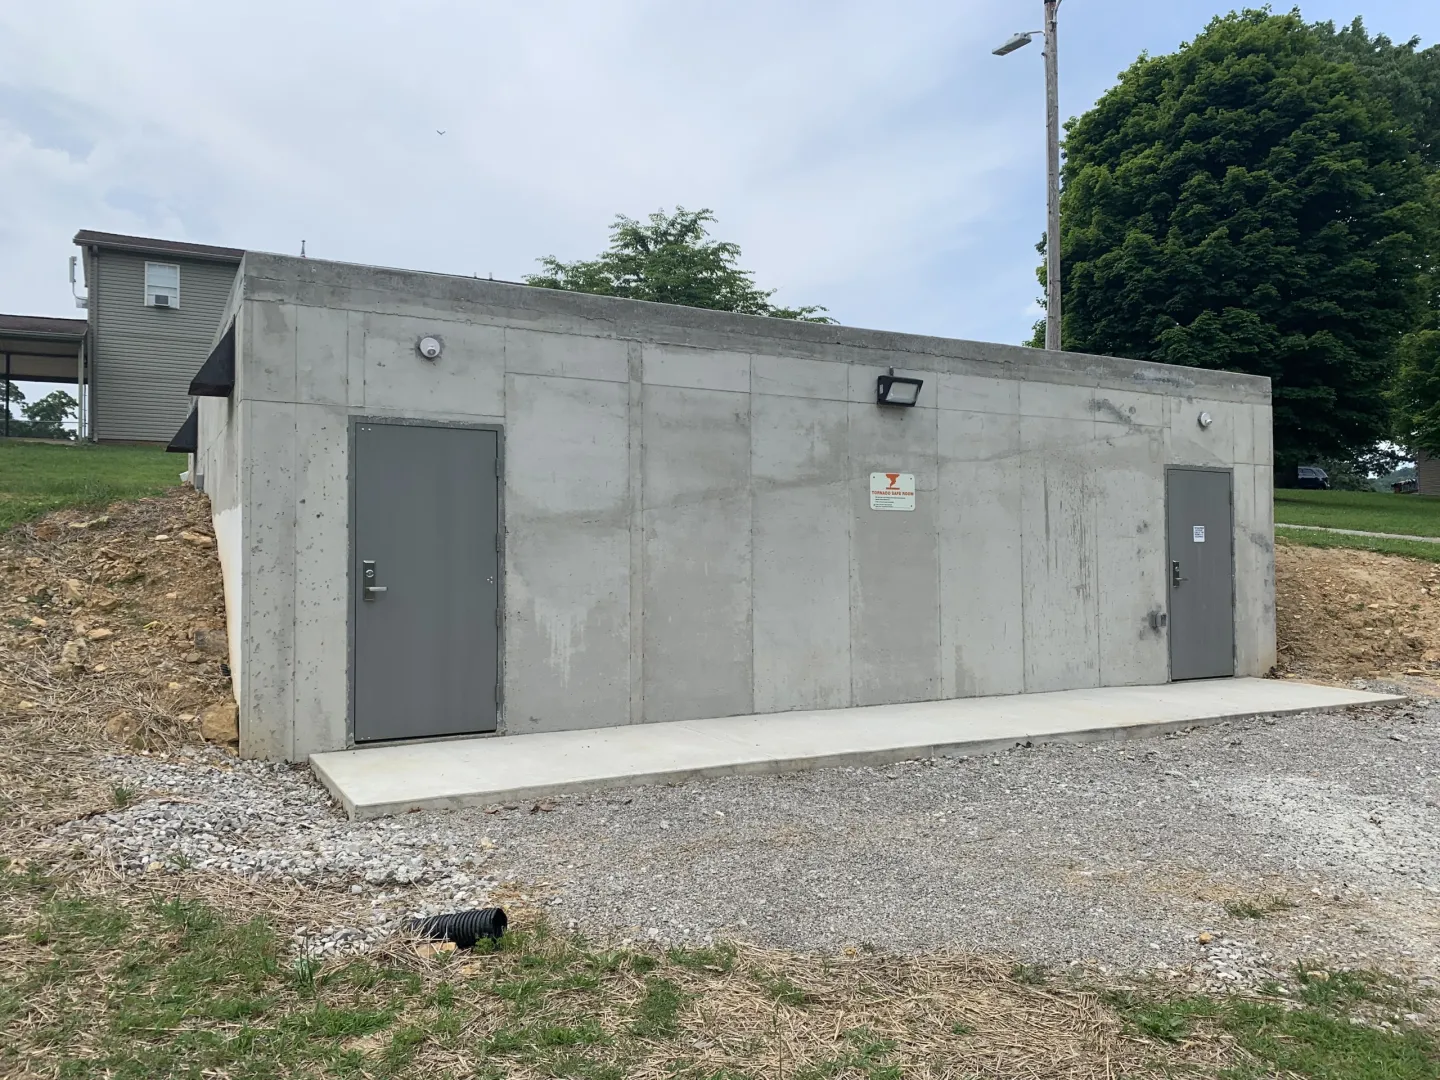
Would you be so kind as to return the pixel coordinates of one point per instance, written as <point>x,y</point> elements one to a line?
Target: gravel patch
<point>1141,856</point>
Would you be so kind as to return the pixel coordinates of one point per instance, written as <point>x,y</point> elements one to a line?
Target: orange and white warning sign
<point>892,491</point>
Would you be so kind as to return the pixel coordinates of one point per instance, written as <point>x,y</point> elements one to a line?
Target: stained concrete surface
<point>686,527</point>
<point>472,772</point>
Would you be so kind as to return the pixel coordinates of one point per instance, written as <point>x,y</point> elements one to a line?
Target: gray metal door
<point>1202,576</point>
<point>425,574</point>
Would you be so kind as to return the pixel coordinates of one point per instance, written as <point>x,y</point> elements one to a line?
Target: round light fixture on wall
<point>1206,419</point>
<point>430,347</point>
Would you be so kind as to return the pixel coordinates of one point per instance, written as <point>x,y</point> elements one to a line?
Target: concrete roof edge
<point>294,278</point>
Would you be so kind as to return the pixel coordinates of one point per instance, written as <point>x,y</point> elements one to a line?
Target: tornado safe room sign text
<point>892,491</point>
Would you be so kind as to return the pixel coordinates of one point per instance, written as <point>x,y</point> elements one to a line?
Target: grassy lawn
<point>1414,549</point>
<point>37,477</point>
<point>90,987</point>
<point>1315,1039</point>
<point>1370,511</point>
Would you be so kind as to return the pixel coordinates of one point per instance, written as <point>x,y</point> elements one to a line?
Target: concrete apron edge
<point>846,759</point>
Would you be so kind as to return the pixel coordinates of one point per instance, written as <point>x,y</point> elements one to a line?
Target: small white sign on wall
<point>1198,533</point>
<point>892,491</point>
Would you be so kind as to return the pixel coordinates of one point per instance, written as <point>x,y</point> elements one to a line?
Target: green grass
<point>866,1056</point>
<point>1369,511</point>
<point>173,988</point>
<point>656,1014</point>
<point>36,478</point>
<point>1258,908</point>
<point>1029,974</point>
<point>1315,1037</point>
<point>1413,549</point>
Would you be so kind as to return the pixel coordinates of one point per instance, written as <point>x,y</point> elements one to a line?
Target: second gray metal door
<point>1202,575</point>
<point>425,577</point>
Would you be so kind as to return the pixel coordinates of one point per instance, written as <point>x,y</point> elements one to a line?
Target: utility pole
<point>1052,178</point>
<point>1052,162</point>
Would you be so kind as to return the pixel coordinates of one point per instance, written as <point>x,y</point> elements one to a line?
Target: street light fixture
<point>1019,41</point>
<point>1052,165</point>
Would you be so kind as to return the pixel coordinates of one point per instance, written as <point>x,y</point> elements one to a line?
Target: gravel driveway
<point>1115,856</point>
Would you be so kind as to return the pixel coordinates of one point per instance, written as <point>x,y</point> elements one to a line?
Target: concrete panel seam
<point>750,503</point>
<point>294,608</point>
<point>850,563</point>
<point>636,428</point>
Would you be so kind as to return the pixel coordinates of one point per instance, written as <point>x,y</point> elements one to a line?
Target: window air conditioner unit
<point>161,300</point>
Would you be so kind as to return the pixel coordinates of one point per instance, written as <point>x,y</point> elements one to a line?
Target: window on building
<point>162,285</point>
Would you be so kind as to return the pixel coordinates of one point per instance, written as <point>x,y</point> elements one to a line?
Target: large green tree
<point>1405,75</point>
<point>1409,79</point>
<point>1253,203</point>
<point>670,259</point>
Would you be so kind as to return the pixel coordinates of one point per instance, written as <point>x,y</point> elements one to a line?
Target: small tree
<point>14,397</point>
<point>670,260</point>
<point>45,418</point>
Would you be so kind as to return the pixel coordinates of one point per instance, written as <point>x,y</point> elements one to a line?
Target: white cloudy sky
<point>872,157</point>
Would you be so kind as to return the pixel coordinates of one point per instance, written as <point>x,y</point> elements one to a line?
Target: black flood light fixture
<point>897,390</point>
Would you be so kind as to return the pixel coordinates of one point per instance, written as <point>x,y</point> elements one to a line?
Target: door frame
<point>355,420</point>
<point>1229,471</point>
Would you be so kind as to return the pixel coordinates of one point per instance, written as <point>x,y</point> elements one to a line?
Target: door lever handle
<point>369,590</point>
<point>1175,577</point>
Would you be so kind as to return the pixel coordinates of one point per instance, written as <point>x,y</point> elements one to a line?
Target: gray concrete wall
<point>688,530</point>
<point>218,468</point>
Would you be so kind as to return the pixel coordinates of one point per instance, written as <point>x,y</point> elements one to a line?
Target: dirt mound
<point>109,635</point>
<point>1342,614</point>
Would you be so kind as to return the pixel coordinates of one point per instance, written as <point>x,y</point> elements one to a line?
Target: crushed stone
<point>1138,856</point>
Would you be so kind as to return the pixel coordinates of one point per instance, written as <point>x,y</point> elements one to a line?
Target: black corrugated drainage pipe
<point>464,928</point>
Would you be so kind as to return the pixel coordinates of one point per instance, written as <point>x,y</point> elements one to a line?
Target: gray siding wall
<point>147,356</point>
<point>1427,474</point>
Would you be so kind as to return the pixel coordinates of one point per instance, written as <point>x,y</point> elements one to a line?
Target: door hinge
<point>498,695</point>
<point>497,617</point>
<point>497,542</point>
<point>497,465</point>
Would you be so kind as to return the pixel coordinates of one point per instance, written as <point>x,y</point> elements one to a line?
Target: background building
<point>40,349</point>
<point>153,309</point>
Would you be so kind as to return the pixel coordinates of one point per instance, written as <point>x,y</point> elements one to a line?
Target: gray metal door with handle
<point>425,571</point>
<point>1200,538</point>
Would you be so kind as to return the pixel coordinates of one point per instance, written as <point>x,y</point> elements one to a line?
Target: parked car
<point>1314,477</point>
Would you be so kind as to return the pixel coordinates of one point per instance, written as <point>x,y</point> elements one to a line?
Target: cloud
<point>822,134</point>
<point>873,158</point>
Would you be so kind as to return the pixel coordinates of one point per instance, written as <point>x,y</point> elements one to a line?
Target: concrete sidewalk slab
<point>376,781</point>
<point>1361,532</point>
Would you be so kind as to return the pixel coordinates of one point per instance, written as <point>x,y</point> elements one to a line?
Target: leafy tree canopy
<point>1254,202</point>
<point>670,259</point>
<point>43,418</point>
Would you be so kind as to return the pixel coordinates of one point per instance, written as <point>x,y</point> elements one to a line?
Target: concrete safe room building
<point>449,506</point>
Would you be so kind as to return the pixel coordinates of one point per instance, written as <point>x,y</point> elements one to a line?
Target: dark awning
<point>187,439</point>
<point>216,377</point>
